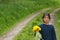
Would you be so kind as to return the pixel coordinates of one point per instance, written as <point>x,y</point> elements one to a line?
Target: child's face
<point>46,19</point>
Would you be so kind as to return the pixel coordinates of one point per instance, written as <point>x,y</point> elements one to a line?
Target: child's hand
<point>36,28</point>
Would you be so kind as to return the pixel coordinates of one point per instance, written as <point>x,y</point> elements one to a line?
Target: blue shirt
<point>48,32</point>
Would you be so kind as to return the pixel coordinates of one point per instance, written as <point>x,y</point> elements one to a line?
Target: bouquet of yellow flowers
<point>36,29</point>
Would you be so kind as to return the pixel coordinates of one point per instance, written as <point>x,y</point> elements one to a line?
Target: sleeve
<point>53,34</point>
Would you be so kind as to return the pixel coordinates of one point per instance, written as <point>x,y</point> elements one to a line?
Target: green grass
<point>13,11</point>
<point>57,24</point>
<point>27,33</point>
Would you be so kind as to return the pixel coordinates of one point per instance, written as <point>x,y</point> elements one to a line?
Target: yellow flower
<point>36,28</point>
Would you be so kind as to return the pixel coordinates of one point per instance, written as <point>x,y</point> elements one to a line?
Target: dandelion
<point>36,28</point>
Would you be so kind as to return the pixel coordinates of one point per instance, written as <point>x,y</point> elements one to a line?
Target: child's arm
<point>53,34</point>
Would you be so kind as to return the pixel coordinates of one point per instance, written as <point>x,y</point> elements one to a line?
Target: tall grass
<point>27,33</point>
<point>13,11</point>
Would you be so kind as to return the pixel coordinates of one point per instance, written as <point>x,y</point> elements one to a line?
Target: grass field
<point>57,24</point>
<point>13,11</point>
<point>27,33</point>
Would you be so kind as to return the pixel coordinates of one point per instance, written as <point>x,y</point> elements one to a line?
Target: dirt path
<point>53,18</point>
<point>11,34</point>
<point>53,15</point>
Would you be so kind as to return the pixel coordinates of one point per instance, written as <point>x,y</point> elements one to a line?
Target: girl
<point>47,32</point>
